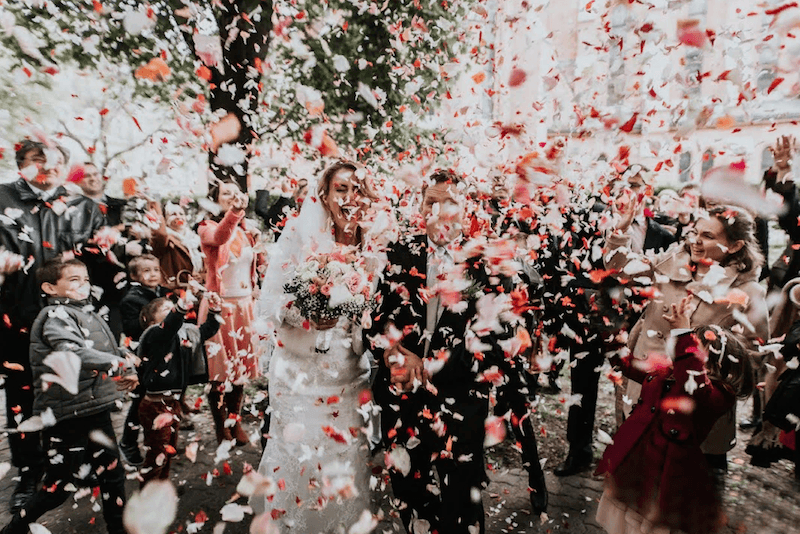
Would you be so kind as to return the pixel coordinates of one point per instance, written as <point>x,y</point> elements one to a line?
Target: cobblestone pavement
<point>762,501</point>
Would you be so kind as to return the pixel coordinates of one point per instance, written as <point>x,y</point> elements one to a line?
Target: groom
<point>433,406</point>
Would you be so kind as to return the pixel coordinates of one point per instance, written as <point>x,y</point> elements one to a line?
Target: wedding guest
<point>66,326</point>
<point>173,357</point>
<point>231,271</point>
<point>717,264</point>
<point>176,246</point>
<point>36,229</point>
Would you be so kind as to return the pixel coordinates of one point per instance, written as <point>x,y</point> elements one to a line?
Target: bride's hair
<point>343,164</point>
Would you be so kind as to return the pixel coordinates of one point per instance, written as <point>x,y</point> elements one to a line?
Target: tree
<point>341,73</point>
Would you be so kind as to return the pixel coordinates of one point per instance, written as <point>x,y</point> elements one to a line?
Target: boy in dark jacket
<point>145,274</point>
<point>77,374</point>
<point>173,357</point>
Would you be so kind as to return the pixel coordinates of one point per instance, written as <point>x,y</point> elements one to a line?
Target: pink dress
<point>231,352</point>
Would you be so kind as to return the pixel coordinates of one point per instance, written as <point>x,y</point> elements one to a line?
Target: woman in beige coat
<point>714,270</point>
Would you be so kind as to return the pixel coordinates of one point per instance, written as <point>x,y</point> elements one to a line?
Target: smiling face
<point>148,274</point>
<point>443,211</point>
<point>175,217</point>
<point>43,169</point>
<point>708,243</point>
<point>92,183</point>
<point>72,284</point>
<point>227,194</point>
<point>345,201</point>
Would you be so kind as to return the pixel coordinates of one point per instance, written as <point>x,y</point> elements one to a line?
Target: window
<point>684,167</point>
<point>708,162</point>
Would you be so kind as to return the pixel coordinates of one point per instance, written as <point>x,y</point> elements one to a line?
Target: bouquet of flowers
<point>332,285</point>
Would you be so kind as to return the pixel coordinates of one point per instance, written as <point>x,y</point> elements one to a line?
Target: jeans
<point>71,441</point>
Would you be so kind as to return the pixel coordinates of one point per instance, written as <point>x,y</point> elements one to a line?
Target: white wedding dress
<point>317,452</point>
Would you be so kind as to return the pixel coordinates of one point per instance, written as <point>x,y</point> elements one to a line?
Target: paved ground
<point>758,500</point>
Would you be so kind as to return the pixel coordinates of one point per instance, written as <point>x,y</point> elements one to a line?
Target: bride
<point>317,452</point>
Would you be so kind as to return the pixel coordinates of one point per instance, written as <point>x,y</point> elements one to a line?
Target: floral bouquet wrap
<point>329,286</point>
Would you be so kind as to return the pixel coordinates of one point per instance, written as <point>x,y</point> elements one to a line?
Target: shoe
<point>25,488</point>
<point>573,465</point>
<point>538,493</point>
<point>131,454</point>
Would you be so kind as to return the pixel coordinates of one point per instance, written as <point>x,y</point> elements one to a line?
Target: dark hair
<point>147,316</point>
<point>27,146</point>
<point>343,164</point>
<point>213,188</point>
<point>135,264</point>
<point>441,176</point>
<point>728,359</point>
<point>739,225</point>
<point>213,195</point>
<point>51,271</point>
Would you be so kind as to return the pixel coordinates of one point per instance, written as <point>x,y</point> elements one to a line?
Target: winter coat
<point>173,255</point>
<point>656,452</point>
<point>137,297</point>
<point>72,326</point>
<point>173,353</point>
<point>38,230</point>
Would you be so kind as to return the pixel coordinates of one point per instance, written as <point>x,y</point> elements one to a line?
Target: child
<point>173,357</point>
<point>145,274</point>
<point>82,433</point>
<point>657,477</point>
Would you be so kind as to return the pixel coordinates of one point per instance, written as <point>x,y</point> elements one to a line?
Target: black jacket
<point>271,210</point>
<point>171,351</point>
<point>131,305</point>
<point>407,269</point>
<point>39,230</point>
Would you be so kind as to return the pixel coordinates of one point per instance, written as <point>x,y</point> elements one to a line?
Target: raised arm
<point>219,234</point>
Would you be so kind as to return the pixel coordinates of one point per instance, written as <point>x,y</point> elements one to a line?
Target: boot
<point>26,487</point>
<point>219,412</point>
<point>234,402</point>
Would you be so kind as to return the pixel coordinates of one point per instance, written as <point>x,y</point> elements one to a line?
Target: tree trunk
<point>245,43</point>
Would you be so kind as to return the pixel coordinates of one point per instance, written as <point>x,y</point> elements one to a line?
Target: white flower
<point>58,206</point>
<point>152,510</point>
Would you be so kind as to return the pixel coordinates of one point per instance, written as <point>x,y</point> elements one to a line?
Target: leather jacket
<point>39,229</point>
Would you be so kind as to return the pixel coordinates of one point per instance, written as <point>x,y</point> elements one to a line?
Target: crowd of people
<point>422,323</point>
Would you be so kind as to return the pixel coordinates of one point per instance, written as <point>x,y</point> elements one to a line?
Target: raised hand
<point>680,313</point>
<point>782,153</point>
<point>626,206</point>
<point>240,202</point>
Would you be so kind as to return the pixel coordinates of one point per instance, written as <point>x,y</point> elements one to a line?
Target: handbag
<point>783,407</point>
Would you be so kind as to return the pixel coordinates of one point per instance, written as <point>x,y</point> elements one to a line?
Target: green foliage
<point>368,73</point>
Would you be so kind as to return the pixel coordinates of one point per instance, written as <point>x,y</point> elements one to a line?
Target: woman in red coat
<point>228,246</point>
<point>657,478</point>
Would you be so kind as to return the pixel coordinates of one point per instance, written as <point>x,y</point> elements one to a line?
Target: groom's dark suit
<point>449,424</point>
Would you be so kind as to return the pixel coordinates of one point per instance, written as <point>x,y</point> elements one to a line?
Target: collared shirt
<point>440,259</point>
<point>44,195</point>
